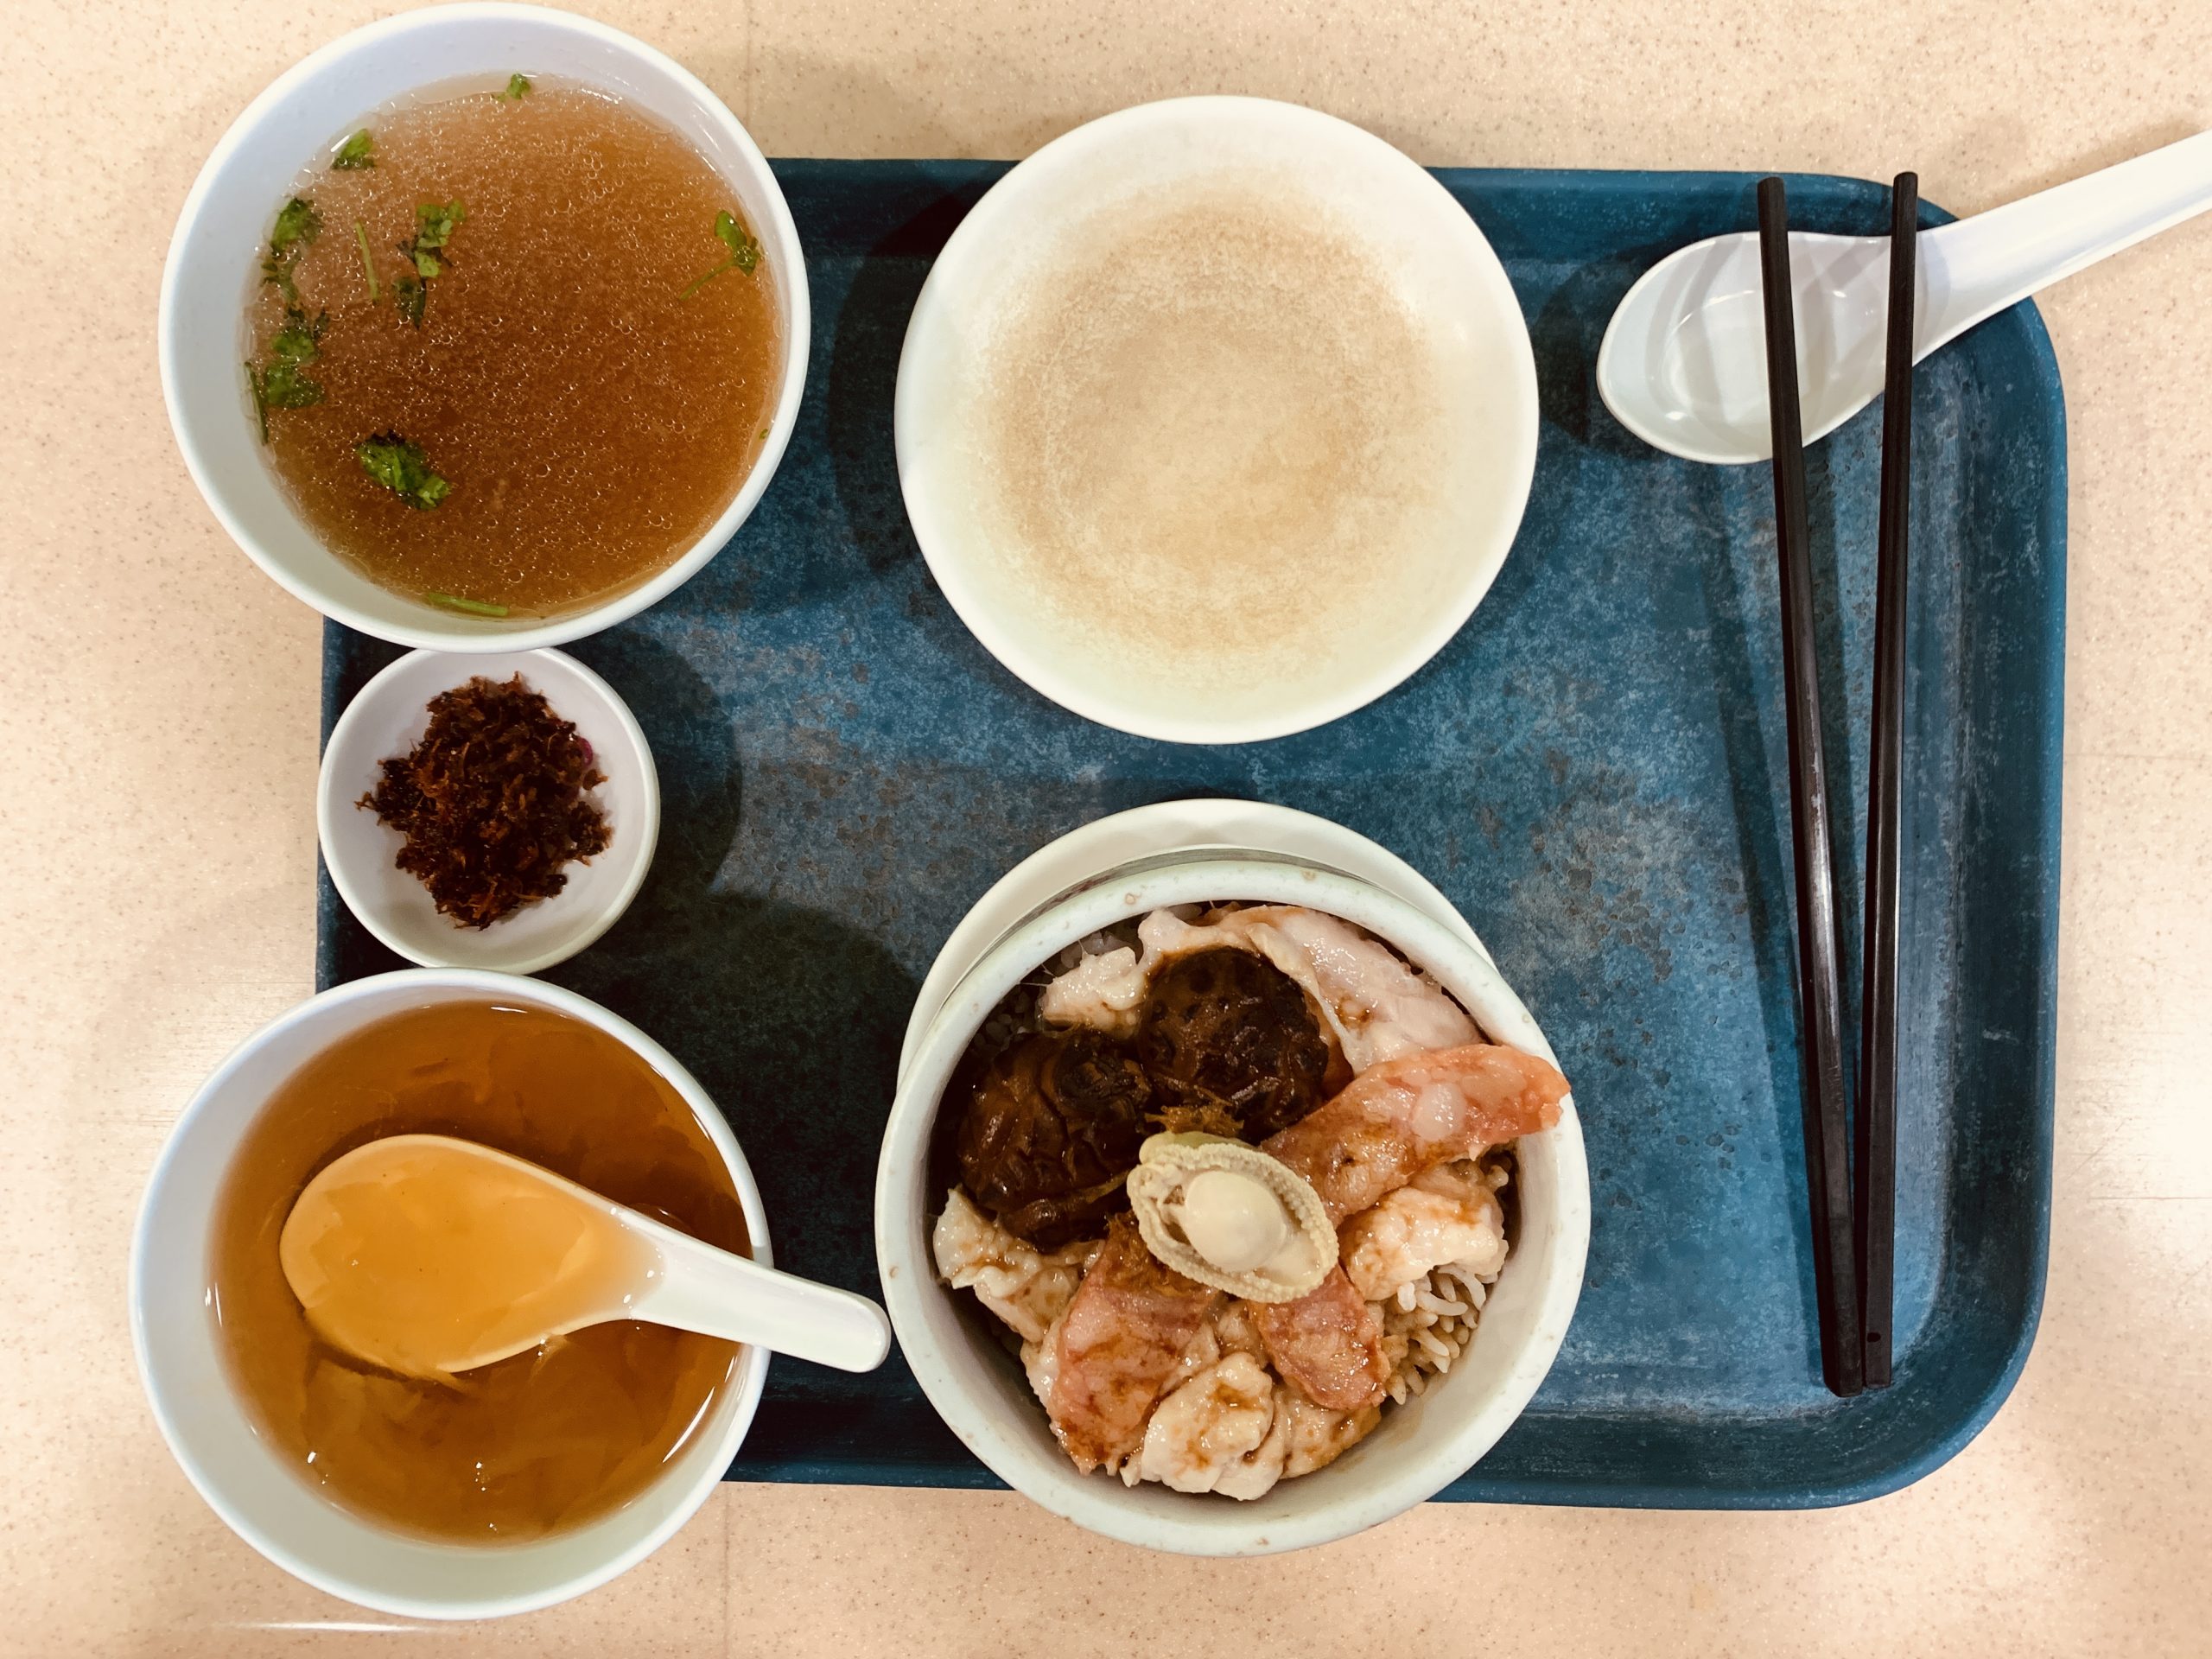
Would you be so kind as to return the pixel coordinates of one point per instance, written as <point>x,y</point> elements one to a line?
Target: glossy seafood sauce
<point>589,422</point>
<point>547,1439</point>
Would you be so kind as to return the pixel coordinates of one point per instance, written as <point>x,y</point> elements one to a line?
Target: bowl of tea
<point>511,1485</point>
<point>484,328</point>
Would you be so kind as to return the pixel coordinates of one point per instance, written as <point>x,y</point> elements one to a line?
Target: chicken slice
<point>1215,1428</point>
<point>1376,1007</point>
<point>1236,1328</point>
<point>1314,1436</point>
<point>1102,991</point>
<point>1025,1286</point>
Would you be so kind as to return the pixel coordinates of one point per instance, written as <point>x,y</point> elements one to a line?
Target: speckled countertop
<point>159,698</point>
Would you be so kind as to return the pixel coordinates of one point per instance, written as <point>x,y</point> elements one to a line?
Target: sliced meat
<point>1215,1430</point>
<point>1316,1436</point>
<point>1025,1288</point>
<point>1329,1344</point>
<point>1120,1345</point>
<point>1407,1115</point>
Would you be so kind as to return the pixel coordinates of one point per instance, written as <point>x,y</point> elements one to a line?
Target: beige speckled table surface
<point>158,696</point>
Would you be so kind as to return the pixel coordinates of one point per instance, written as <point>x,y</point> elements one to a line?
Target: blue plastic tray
<point>1593,770</point>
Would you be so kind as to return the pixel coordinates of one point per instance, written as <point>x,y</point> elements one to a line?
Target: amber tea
<point>512,352</point>
<point>548,1438</point>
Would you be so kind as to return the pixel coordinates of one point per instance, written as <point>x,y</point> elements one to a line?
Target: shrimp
<point>1407,1115</point>
<point>1442,1215</point>
<point>1215,1433</point>
<point>1329,1342</point>
<point>1025,1286</point>
<point>1118,1347</point>
<point>1374,1005</point>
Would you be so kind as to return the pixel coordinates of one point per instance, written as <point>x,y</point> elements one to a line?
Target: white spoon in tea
<point>1683,364</point>
<point>430,1255</point>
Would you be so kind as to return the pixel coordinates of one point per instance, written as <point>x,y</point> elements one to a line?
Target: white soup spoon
<point>1683,363</point>
<point>430,1255</point>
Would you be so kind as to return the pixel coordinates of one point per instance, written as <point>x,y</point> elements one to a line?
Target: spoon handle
<point>718,1295</point>
<point>1977,267</point>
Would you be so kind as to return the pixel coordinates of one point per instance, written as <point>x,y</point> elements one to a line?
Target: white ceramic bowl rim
<point>735,1410</point>
<point>459,632</point>
<point>1332,1502</point>
<point>972,598</point>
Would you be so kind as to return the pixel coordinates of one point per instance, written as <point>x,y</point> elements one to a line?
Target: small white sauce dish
<point>208,277</point>
<point>388,717</point>
<point>1419,1447</point>
<point>207,1426</point>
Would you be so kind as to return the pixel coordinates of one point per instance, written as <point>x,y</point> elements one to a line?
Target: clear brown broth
<point>592,424</point>
<point>545,1440</point>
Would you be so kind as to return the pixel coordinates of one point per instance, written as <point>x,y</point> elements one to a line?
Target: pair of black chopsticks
<point>1855,1221</point>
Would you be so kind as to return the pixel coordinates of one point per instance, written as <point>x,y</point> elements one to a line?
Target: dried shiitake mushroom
<point>1051,1130</point>
<point>1231,1040</point>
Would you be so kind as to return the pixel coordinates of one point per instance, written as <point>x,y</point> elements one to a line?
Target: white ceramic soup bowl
<point>208,1425</point>
<point>1438,261</point>
<point>979,1388</point>
<point>213,270</point>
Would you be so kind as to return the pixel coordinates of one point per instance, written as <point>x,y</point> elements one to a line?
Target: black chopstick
<point>1876,1185</point>
<point>1827,1143</point>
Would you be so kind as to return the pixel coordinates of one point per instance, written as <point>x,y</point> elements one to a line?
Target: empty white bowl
<point>388,717</point>
<point>212,270</point>
<point>979,1388</point>
<point>207,1426</point>
<point>1438,265</point>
